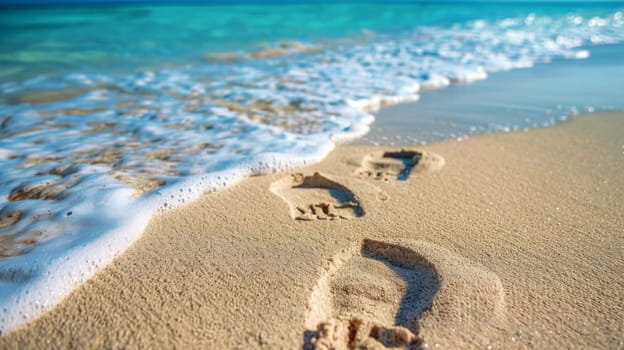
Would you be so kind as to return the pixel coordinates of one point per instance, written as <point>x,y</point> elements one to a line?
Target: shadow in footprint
<point>420,275</point>
<point>317,197</point>
<point>373,299</point>
<point>408,158</point>
<point>399,164</point>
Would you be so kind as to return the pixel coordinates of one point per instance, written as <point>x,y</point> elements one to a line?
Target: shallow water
<point>111,114</point>
<point>97,39</point>
<point>507,101</point>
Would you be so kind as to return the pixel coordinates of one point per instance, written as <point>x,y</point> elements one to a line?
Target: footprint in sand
<point>375,298</point>
<point>317,197</point>
<point>399,165</point>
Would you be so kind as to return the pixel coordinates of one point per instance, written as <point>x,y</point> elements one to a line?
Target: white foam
<point>434,81</point>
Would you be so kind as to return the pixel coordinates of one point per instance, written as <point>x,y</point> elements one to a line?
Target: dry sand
<point>509,241</point>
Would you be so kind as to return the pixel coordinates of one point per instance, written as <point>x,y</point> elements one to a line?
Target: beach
<point>508,240</point>
<point>335,175</point>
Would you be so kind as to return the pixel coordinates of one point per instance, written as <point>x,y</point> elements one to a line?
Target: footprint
<point>375,298</point>
<point>399,164</point>
<point>316,197</point>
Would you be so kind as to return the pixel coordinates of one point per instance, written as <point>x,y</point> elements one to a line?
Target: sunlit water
<point>110,114</point>
<point>508,101</point>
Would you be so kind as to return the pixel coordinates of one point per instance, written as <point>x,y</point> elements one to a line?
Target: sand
<point>504,241</point>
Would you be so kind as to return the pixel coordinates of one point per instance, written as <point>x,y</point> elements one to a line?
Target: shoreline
<point>48,277</point>
<point>543,95</point>
<point>234,269</point>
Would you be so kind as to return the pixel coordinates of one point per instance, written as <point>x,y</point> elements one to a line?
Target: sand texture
<point>510,241</point>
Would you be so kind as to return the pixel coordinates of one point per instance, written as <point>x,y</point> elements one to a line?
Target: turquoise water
<point>111,114</point>
<point>123,38</point>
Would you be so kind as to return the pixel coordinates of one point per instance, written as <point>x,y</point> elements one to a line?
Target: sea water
<point>514,100</point>
<point>110,114</point>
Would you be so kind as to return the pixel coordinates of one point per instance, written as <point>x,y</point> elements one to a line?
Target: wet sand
<point>509,240</point>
